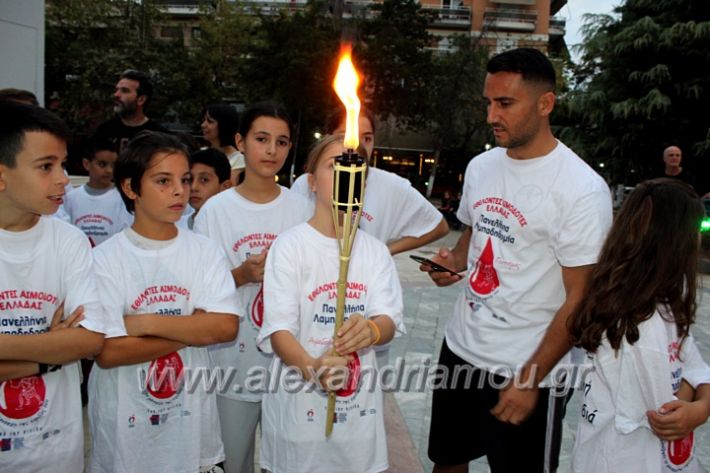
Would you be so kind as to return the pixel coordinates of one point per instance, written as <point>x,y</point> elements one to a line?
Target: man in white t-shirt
<point>536,216</point>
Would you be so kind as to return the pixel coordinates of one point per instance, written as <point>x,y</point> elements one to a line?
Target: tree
<point>393,53</point>
<point>643,84</point>
<point>456,108</point>
<point>89,42</point>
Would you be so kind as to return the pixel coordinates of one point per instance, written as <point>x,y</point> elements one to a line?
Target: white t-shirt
<point>41,426</point>
<point>529,218</point>
<point>236,160</point>
<point>620,390</point>
<point>162,428</point>
<point>393,208</point>
<point>98,216</point>
<point>243,228</point>
<point>299,296</point>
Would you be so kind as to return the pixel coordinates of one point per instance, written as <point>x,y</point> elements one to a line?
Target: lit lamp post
<point>348,191</point>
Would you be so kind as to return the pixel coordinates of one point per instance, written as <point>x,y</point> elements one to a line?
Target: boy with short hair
<point>96,207</point>
<point>45,272</point>
<point>210,170</point>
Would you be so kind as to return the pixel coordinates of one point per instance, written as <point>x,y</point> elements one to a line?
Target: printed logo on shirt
<point>167,293</point>
<point>678,454</point>
<point>310,415</point>
<point>14,443</point>
<point>165,377</point>
<point>22,398</point>
<point>254,241</point>
<point>353,378</point>
<point>484,277</point>
<point>257,308</point>
<point>131,421</point>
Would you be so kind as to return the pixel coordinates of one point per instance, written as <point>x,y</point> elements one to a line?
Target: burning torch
<point>348,192</point>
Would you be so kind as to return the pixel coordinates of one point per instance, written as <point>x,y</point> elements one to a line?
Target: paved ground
<point>427,309</point>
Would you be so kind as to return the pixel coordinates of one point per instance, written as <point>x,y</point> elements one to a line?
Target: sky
<point>575,9</point>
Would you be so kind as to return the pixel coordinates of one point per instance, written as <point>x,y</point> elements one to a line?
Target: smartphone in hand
<point>434,266</point>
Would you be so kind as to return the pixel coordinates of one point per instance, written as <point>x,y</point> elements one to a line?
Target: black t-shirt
<point>117,133</point>
<point>684,176</point>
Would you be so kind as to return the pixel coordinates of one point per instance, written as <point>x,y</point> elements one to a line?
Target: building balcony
<point>508,19</point>
<point>450,17</point>
<point>558,26</point>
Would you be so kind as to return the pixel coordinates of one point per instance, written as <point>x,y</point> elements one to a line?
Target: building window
<point>171,32</point>
<point>196,33</point>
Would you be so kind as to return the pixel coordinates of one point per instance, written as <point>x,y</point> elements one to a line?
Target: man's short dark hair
<point>135,159</point>
<point>19,95</point>
<point>215,159</point>
<point>16,119</point>
<point>145,85</point>
<point>338,116</point>
<point>532,64</point>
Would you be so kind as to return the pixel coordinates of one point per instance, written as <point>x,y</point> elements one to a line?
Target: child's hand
<point>676,419</point>
<point>354,335</point>
<point>253,268</point>
<point>332,371</point>
<point>70,322</point>
<point>136,324</point>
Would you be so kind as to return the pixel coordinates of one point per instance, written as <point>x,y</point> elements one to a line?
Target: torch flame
<point>345,84</point>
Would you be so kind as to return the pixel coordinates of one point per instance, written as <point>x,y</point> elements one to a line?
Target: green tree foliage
<point>395,60</point>
<point>456,110</point>
<point>89,42</point>
<point>643,84</point>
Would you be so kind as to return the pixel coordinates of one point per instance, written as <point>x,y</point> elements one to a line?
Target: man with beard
<point>132,95</point>
<point>535,217</point>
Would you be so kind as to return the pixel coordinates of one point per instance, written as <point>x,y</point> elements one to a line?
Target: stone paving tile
<point>427,309</point>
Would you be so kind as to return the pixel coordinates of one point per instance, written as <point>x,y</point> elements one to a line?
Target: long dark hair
<point>649,258</point>
<point>227,120</point>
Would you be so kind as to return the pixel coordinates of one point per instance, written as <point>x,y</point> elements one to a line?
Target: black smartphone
<point>435,266</point>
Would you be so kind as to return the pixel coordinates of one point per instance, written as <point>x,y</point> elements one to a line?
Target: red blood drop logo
<point>484,278</point>
<point>680,451</point>
<point>165,376</point>
<point>257,308</point>
<point>353,377</point>
<point>22,398</point>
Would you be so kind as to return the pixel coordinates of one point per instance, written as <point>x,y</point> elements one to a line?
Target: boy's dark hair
<point>16,119</point>
<point>532,64</point>
<point>337,117</point>
<point>264,109</point>
<point>649,258</point>
<point>215,159</point>
<point>19,95</point>
<point>227,120</point>
<point>145,85</point>
<point>99,144</point>
<point>136,156</point>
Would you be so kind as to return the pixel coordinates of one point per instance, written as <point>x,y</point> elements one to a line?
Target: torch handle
<point>339,320</point>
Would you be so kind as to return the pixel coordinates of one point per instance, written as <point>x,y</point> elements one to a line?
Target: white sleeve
<point>217,292</point>
<point>695,370</point>
<point>462,213</point>
<point>202,222</point>
<point>414,215</point>
<point>108,285</point>
<point>644,378</point>
<point>384,295</point>
<point>582,232</point>
<point>300,185</point>
<point>281,294</point>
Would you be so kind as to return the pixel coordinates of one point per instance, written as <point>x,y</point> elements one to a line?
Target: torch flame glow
<point>345,84</point>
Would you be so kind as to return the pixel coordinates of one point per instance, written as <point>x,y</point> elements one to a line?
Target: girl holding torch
<point>299,317</point>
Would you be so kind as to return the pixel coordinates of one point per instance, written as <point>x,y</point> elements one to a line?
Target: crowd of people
<point>173,266</point>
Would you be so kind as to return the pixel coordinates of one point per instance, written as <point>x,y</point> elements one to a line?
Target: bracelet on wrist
<point>375,329</point>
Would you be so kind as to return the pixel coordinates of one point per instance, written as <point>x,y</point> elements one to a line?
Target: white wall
<point>22,45</point>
